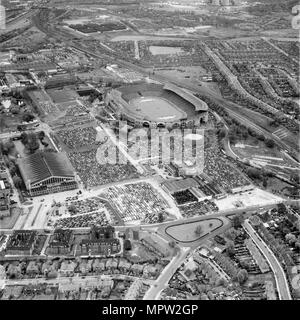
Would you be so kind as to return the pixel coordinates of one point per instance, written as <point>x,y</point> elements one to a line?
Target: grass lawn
<point>187,232</point>
<point>9,222</point>
<point>140,253</point>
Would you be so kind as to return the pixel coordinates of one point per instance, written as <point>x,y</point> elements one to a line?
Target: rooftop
<point>42,166</point>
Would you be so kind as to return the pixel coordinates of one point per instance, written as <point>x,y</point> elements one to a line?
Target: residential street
<point>162,281</point>
<point>281,281</point>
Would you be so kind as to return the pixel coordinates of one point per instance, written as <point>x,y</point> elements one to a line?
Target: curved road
<point>162,281</point>
<point>281,281</point>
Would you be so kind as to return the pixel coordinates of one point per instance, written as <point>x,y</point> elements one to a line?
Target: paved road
<point>214,96</point>
<point>222,213</point>
<point>162,281</point>
<point>281,281</point>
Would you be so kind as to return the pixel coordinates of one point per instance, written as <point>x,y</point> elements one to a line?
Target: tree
<point>242,276</point>
<point>232,138</point>
<point>12,168</point>
<point>253,173</point>
<point>291,238</point>
<point>160,217</point>
<point>297,244</point>
<point>72,208</point>
<point>172,244</point>
<point>17,182</point>
<point>24,138</point>
<point>7,147</point>
<point>270,143</point>
<point>222,133</point>
<point>15,109</point>
<point>27,117</point>
<point>231,234</point>
<point>2,123</point>
<point>32,143</point>
<point>230,248</point>
<point>41,135</point>
<point>237,220</point>
<point>261,137</point>
<point>281,208</point>
<point>198,230</point>
<point>265,183</point>
<point>127,245</point>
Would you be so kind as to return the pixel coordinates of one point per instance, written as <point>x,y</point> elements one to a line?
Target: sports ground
<point>156,109</point>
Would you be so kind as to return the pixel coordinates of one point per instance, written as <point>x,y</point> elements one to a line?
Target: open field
<point>9,222</point>
<point>258,152</point>
<point>157,109</point>
<point>187,232</point>
<point>248,199</point>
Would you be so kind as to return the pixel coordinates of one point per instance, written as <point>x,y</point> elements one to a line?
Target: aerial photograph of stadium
<point>149,151</point>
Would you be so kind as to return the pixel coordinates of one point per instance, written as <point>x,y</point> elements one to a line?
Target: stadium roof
<point>42,166</point>
<point>179,185</point>
<point>196,102</point>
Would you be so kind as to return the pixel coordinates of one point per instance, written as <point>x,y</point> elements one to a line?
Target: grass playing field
<point>157,109</point>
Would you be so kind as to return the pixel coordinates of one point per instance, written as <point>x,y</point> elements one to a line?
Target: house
<point>124,266</point>
<point>32,269</point>
<point>137,269</point>
<point>99,265</point>
<point>151,271</point>
<point>112,264</point>
<point>67,268</point>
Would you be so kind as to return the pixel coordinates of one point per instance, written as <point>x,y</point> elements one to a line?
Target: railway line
<point>229,106</point>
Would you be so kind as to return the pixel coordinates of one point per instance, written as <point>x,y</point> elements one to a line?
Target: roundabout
<point>190,232</point>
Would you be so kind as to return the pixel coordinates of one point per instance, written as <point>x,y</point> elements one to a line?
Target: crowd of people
<point>93,173</point>
<point>79,137</point>
<point>184,196</point>
<point>198,208</point>
<point>138,201</point>
<point>219,169</point>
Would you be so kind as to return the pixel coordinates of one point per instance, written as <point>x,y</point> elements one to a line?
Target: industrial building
<point>47,172</point>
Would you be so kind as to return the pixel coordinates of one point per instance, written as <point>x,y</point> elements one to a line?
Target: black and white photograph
<point>149,151</point>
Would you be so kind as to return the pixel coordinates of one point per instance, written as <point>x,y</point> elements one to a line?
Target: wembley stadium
<point>156,105</point>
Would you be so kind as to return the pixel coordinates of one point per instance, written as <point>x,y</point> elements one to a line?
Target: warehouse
<point>47,172</point>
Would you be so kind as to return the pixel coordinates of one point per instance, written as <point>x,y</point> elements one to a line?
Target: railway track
<point>229,106</point>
